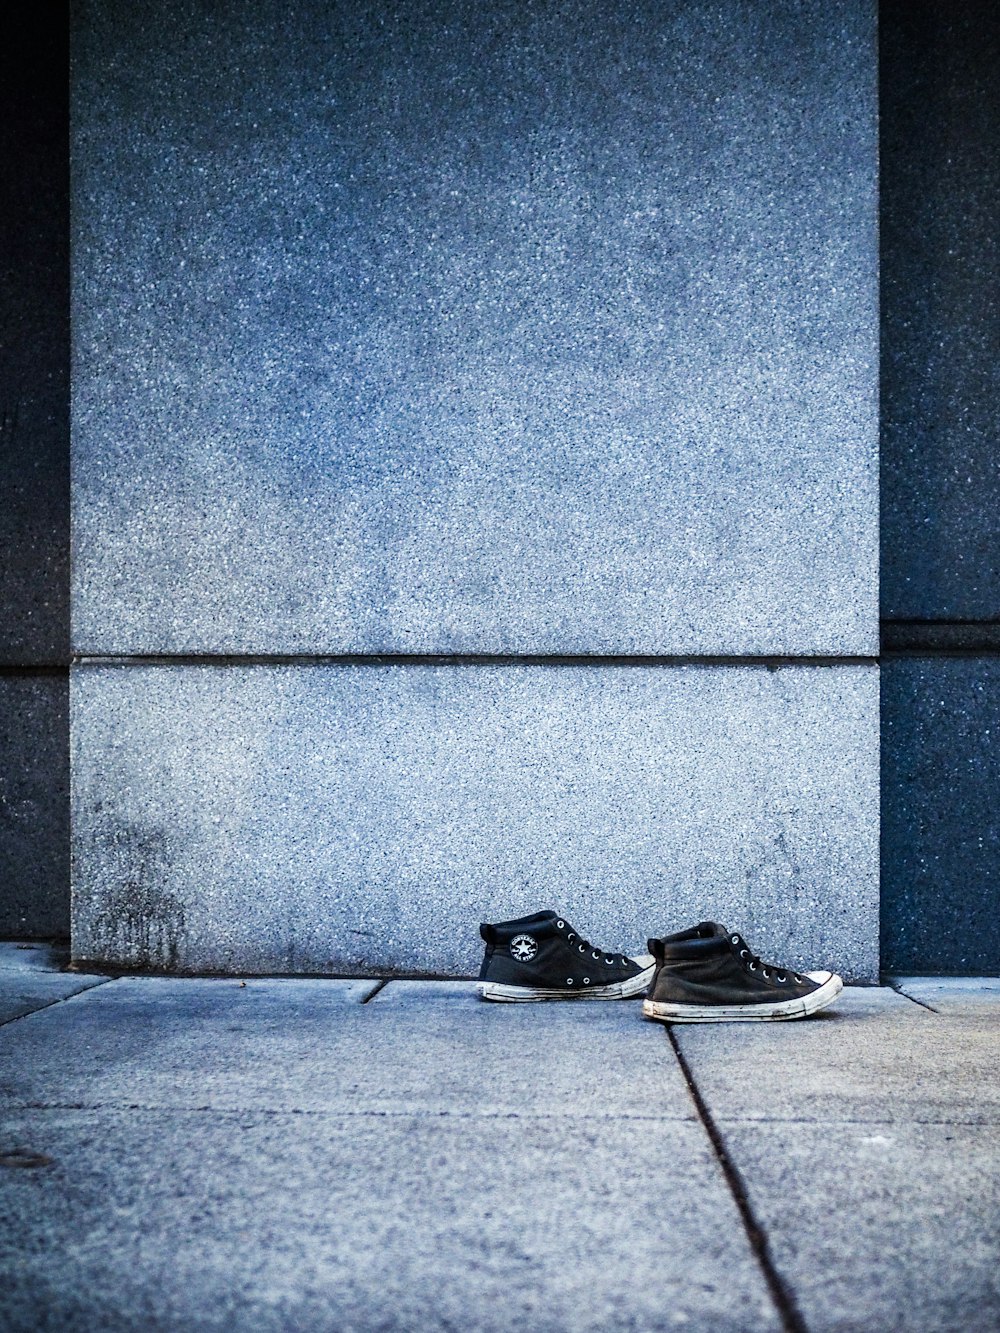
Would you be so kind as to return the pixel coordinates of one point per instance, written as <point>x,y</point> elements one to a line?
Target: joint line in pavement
<point>61,999</point>
<point>783,1298</point>
<point>381,985</point>
<point>912,998</point>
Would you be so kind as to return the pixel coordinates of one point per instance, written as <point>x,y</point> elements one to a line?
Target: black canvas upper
<point>709,965</point>
<point>545,951</point>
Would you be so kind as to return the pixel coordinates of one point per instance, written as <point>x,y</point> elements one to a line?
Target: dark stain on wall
<point>139,923</point>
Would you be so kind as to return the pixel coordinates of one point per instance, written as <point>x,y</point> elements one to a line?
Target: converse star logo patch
<point>523,948</point>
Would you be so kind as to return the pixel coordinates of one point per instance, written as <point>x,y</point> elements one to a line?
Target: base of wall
<point>360,819</point>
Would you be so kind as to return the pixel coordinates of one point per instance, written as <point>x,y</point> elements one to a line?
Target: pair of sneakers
<point>703,975</point>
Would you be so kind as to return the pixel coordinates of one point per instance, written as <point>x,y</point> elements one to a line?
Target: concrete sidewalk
<point>346,1155</point>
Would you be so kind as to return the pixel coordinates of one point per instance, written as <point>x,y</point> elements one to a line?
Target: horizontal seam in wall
<point>34,668</point>
<point>468,659</point>
<point>927,650</point>
<point>953,638</point>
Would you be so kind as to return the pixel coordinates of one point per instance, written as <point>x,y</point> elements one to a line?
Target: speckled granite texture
<point>34,804</point>
<point>940,813</point>
<point>941,310</point>
<point>34,343</point>
<point>450,327</point>
<point>359,819</point>
<point>34,476</point>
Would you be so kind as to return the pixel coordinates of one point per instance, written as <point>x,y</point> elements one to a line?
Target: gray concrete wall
<point>519,331</point>
<point>443,329</point>
<point>340,818</point>
<point>940,485</point>
<point>34,466</point>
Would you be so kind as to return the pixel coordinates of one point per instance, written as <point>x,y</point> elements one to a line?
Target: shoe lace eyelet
<point>561,925</point>
<point>581,948</point>
<point>594,954</point>
<point>586,981</point>
<point>608,960</point>
<point>782,980</point>
<point>753,967</point>
<point>569,981</point>
<point>744,953</point>
<point>765,973</point>
<point>735,939</point>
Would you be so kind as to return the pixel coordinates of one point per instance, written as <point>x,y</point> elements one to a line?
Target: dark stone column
<point>940,485</point>
<point>34,474</point>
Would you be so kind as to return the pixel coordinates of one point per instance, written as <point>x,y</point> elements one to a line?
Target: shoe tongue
<point>710,930</point>
<point>704,930</point>
<point>537,921</point>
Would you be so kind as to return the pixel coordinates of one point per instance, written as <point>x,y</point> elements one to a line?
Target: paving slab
<point>31,978</point>
<point>27,994</point>
<point>874,1056</point>
<point>31,957</point>
<point>867,1140</point>
<point>258,1222</point>
<point>311,1045</point>
<point>412,994</point>
<point>879,1228</point>
<point>279,1154</point>
<point>955,997</point>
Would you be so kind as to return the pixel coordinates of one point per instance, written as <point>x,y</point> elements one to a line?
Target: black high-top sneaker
<point>708,975</point>
<point>542,957</point>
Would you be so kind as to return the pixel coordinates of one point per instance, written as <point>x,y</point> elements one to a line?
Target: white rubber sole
<point>618,990</point>
<point>748,1013</point>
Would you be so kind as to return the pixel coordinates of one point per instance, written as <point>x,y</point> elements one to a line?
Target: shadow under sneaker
<point>709,975</point>
<point>542,957</point>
